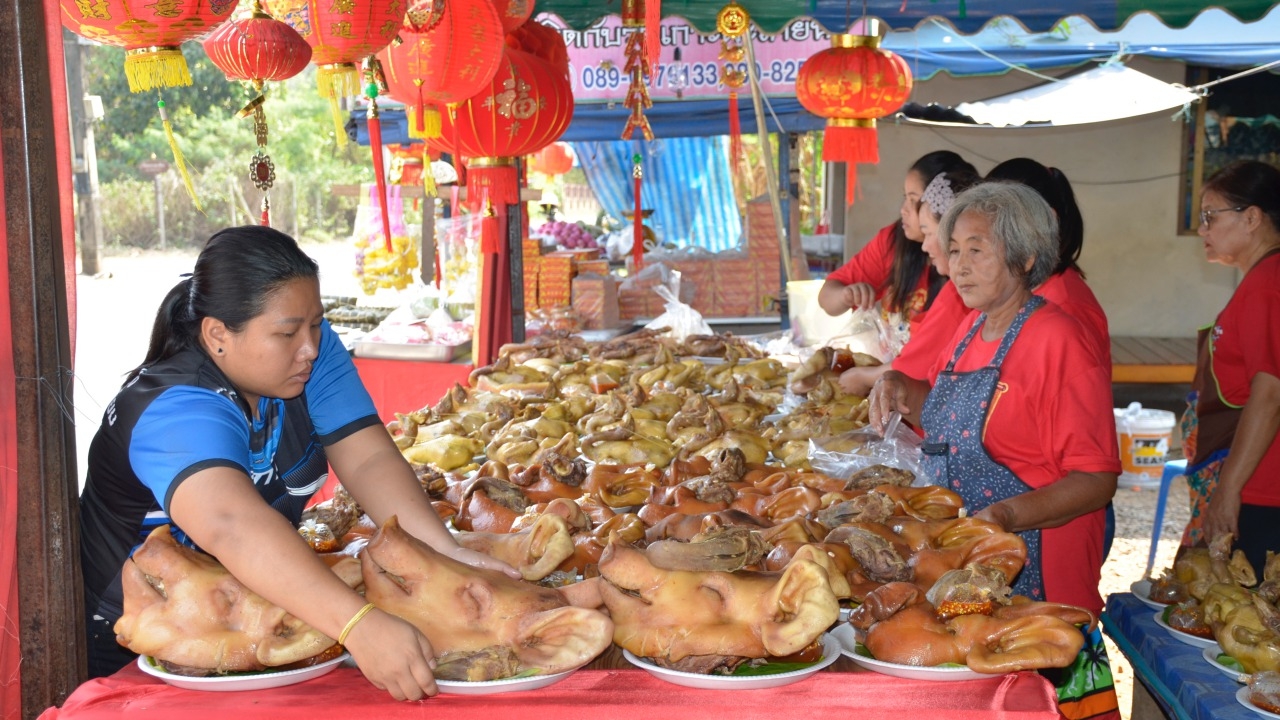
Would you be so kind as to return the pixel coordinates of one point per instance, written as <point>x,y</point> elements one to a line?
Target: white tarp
<point>1108,92</point>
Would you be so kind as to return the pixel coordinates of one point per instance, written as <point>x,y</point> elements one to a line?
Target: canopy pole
<point>770,172</point>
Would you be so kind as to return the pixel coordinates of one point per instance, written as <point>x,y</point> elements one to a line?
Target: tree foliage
<point>218,146</point>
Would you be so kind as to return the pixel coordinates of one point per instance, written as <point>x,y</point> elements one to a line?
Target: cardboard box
<point>598,266</point>
<point>595,299</point>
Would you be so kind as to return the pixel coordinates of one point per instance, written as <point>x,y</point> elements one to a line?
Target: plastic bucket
<point>1144,437</point>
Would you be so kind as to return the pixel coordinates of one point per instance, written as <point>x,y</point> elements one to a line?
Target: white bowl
<point>243,681</point>
<point>506,685</point>
<point>830,653</point>
<point>1211,653</point>
<point>849,643</point>
<point>1141,589</point>
<point>1242,697</point>
<point>1188,638</point>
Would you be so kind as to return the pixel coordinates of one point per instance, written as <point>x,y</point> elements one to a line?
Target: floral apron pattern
<point>954,416</point>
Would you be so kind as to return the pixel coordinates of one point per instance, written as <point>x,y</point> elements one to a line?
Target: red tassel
<point>850,182</point>
<point>850,144</point>
<point>653,32</point>
<point>489,232</point>
<point>375,142</point>
<point>637,239</point>
<point>735,130</point>
<point>458,165</point>
<point>266,212</point>
<point>498,183</point>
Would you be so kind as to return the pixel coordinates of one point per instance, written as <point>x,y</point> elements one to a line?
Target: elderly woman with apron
<point>1017,415</point>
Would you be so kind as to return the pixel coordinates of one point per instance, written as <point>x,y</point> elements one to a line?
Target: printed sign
<point>597,59</point>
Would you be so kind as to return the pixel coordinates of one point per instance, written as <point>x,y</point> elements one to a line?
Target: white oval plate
<point>1211,654</point>
<point>1142,590</point>
<point>255,681</point>
<point>1187,638</point>
<point>830,653</point>
<point>1242,697</point>
<point>493,687</point>
<point>849,643</point>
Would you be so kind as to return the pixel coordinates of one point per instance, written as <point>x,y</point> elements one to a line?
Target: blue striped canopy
<point>686,181</point>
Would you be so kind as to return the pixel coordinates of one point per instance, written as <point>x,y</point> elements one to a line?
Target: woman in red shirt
<point>892,268</point>
<point>1234,474</point>
<point>1066,287</point>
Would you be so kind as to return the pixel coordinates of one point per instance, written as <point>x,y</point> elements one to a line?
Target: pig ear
<point>549,544</point>
<point>562,639</point>
<point>803,606</point>
<point>814,553</point>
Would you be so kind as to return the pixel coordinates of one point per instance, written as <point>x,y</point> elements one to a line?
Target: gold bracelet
<point>342,637</point>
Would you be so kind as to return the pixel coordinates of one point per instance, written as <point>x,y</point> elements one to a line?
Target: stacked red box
<point>531,267</point>
<point>594,267</point>
<point>595,300</point>
<point>530,248</point>
<point>555,275</point>
<point>736,287</point>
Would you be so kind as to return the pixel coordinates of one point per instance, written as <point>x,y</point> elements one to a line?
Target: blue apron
<point>954,416</point>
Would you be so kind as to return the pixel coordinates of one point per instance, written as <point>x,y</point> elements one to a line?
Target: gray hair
<point>1021,222</point>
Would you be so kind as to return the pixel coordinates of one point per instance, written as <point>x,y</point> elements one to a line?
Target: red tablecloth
<point>596,694</point>
<point>401,386</point>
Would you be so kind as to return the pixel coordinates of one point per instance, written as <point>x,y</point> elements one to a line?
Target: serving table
<point>1175,674</point>
<point>624,693</point>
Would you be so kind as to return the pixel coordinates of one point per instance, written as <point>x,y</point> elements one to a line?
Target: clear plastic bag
<point>682,319</point>
<point>843,455</point>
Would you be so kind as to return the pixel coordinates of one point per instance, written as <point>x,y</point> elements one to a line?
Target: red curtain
<point>10,649</point>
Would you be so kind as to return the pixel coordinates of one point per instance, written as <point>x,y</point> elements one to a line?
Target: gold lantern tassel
<point>428,177</point>
<point>178,160</point>
<point>337,80</point>
<point>156,67</point>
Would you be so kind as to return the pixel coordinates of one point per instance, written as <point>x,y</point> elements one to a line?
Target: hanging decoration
<point>341,34</point>
<point>553,159</point>
<point>179,161</point>
<point>637,217</point>
<point>151,33</point>
<point>851,84</point>
<point>450,51</point>
<point>526,106</point>
<point>374,84</point>
<point>513,13</point>
<point>254,49</point>
<point>733,23</point>
<point>637,68</point>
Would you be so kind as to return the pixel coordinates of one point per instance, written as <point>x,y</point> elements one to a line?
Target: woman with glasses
<point>893,269</point>
<point>1230,433</point>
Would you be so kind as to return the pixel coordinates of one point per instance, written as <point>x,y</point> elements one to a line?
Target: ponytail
<point>174,329</point>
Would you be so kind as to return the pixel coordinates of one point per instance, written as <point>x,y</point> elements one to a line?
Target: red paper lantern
<point>258,48</point>
<point>449,59</point>
<point>541,41</point>
<point>341,34</point>
<point>514,13</point>
<point>851,84</point>
<point>150,32</point>
<point>553,159</point>
<point>526,106</point>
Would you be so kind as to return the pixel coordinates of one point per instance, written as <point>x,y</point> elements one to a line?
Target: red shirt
<point>932,333</point>
<point>1244,342</point>
<point>1051,414</point>
<point>1069,291</point>
<point>873,265</point>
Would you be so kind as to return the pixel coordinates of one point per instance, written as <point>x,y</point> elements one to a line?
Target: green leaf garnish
<point>748,670</point>
<point>1165,615</point>
<point>526,673</point>
<point>1226,660</point>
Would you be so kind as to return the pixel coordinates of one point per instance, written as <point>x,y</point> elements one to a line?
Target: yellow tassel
<point>154,68</point>
<point>429,181</point>
<point>339,122</point>
<point>178,160</point>
<point>334,81</point>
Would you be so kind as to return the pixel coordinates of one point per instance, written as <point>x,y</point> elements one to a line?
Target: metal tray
<point>410,351</point>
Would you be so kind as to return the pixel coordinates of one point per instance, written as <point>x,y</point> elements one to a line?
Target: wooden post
<point>50,608</point>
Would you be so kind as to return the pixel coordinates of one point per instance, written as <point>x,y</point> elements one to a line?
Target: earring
<point>219,351</point>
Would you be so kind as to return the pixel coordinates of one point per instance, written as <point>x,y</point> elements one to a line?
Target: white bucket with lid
<point>1144,437</point>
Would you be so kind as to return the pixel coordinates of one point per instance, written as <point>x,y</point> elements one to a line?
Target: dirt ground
<point>115,310</point>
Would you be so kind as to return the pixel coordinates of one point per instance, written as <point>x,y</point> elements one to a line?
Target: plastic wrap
<point>843,455</point>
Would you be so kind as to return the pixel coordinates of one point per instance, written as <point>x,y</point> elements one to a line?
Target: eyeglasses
<point>1206,216</point>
